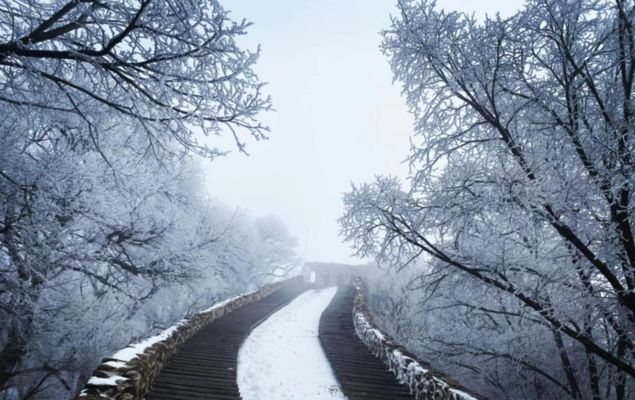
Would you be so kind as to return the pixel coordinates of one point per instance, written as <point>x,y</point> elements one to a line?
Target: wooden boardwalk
<point>361,375</point>
<point>205,367</point>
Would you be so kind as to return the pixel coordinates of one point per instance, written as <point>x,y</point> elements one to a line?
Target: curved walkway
<point>205,367</point>
<point>282,358</point>
<point>361,375</point>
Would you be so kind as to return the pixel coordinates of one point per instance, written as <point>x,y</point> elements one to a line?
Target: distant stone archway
<point>330,274</point>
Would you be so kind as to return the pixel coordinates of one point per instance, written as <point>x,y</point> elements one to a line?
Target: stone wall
<point>129,374</point>
<point>423,382</point>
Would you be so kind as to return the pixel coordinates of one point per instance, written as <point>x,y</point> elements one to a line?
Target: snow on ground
<point>282,358</point>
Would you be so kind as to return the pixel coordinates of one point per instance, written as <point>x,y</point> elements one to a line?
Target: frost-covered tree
<point>171,67</point>
<point>103,105</point>
<point>92,252</point>
<point>521,190</point>
<point>277,246</point>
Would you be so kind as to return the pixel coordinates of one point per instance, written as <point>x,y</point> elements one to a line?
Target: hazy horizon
<point>338,119</point>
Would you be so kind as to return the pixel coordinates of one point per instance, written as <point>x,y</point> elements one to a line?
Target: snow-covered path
<point>282,358</point>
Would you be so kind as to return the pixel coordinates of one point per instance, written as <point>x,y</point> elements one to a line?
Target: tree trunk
<point>620,384</point>
<point>21,326</point>
<point>566,365</point>
<point>14,350</point>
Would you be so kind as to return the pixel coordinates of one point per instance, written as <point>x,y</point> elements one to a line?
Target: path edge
<point>125,377</point>
<point>423,382</point>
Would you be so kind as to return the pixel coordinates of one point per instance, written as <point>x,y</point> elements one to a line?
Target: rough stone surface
<point>423,382</point>
<point>130,380</point>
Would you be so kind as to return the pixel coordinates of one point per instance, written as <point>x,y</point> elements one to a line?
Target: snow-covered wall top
<point>128,374</point>
<point>423,382</point>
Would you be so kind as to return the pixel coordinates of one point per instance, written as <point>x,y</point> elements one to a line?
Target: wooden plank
<point>360,374</point>
<point>205,367</point>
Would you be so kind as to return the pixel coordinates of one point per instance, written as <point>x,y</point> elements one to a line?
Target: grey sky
<point>339,118</point>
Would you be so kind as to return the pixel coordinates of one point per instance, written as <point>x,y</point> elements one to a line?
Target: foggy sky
<point>338,119</point>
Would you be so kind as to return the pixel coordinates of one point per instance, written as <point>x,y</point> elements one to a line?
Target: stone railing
<point>423,382</point>
<point>129,373</point>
